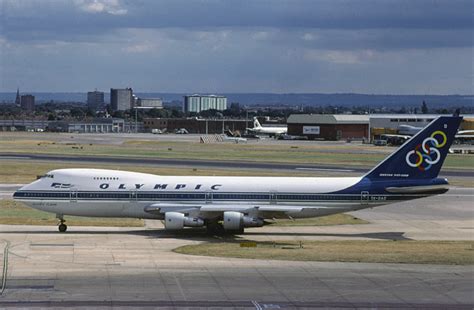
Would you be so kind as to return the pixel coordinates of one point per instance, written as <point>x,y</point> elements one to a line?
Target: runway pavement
<point>135,267</point>
<point>210,164</point>
<point>111,267</point>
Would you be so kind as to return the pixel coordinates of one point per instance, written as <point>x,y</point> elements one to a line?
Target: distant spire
<point>17,99</point>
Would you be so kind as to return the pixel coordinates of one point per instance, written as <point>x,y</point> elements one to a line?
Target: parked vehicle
<point>181,131</point>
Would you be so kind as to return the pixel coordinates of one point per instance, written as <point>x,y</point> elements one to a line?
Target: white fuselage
<point>269,130</point>
<point>111,193</point>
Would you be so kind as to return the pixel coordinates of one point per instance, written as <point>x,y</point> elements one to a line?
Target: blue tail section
<point>422,156</point>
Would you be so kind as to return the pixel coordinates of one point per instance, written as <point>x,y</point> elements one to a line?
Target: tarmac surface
<point>135,267</point>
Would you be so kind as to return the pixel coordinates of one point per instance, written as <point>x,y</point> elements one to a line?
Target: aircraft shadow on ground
<point>378,236</point>
<point>202,235</point>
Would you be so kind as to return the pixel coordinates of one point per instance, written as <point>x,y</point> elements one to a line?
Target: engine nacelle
<point>177,221</point>
<point>235,221</point>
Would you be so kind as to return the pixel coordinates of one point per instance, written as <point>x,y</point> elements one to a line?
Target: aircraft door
<point>208,197</point>
<point>133,195</point>
<point>364,198</point>
<point>73,194</point>
<point>273,198</point>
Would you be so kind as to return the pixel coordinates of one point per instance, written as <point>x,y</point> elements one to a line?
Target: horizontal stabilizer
<point>428,189</point>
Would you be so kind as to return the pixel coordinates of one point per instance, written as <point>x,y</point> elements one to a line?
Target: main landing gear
<point>215,228</point>
<point>62,227</point>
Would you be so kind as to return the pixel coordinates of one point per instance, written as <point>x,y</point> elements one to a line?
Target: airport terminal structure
<point>330,127</point>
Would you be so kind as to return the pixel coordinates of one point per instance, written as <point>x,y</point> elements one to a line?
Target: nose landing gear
<point>62,227</point>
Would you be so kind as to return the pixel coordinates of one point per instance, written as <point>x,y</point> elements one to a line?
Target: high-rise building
<point>95,99</point>
<point>154,103</point>
<point>192,103</point>
<point>27,103</point>
<point>121,99</point>
<point>197,103</point>
<point>17,99</point>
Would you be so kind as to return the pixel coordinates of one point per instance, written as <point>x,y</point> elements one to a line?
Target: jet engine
<point>236,221</point>
<point>177,221</point>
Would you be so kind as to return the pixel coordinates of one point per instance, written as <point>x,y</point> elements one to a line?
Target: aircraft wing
<point>213,209</point>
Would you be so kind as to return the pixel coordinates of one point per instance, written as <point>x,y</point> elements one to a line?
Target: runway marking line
<point>5,267</point>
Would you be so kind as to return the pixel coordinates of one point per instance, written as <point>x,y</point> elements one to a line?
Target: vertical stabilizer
<point>422,156</point>
<point>256,123</point>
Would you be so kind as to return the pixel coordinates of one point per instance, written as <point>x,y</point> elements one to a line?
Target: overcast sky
<point>216,46</point>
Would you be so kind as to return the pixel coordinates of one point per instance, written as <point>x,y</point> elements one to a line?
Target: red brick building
<point>329,127</point>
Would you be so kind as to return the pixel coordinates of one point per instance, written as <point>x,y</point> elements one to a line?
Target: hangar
<point>328,126</point>
<point>392,123</point>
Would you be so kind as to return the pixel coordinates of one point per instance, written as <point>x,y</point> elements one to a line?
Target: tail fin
<point>256,123</point>
<point>422,156</point>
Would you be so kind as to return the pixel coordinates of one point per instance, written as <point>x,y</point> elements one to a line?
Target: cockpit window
<point>45,176</point>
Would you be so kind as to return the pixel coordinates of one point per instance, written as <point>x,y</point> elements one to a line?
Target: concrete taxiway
<point>118,267</point>
<point>124,267</point>
<point>444,217</point>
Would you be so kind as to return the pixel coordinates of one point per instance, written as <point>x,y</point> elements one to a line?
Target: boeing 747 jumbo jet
<point>234,203</point>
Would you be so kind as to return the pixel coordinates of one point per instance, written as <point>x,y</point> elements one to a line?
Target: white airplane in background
<point>464,136</point>
<point>405,131</point>
<point>408,130</point>
<point>234,203</point>
<point>230,136</point>
<point>234,139</point>
<point>272,131</point>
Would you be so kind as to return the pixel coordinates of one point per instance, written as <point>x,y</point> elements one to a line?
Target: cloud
<point>139,48</point>
<point>101,6</point>
<point>257,45</point>
<point>339,57</point>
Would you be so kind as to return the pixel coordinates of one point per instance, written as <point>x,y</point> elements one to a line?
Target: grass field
<point>342,154</point>
<point>22,172</point>
<point>15,213</point>
<point>410,252</point>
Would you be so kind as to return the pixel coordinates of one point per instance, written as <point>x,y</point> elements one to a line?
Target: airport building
<point>121,99</point>
<point>95,99</point>
<point>196,125</point>
<point>358,127</point>
<point>99,125</point>
<point>417,120</point>
<point>27,103</point>
<point>23,125</point>
<point>197,103</point>
<point>104,125</point>
<point>152,103</point>
<point>329,127</point>
<point>397,123</point>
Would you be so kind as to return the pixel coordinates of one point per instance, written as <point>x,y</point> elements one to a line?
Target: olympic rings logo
<point>429,146</point>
